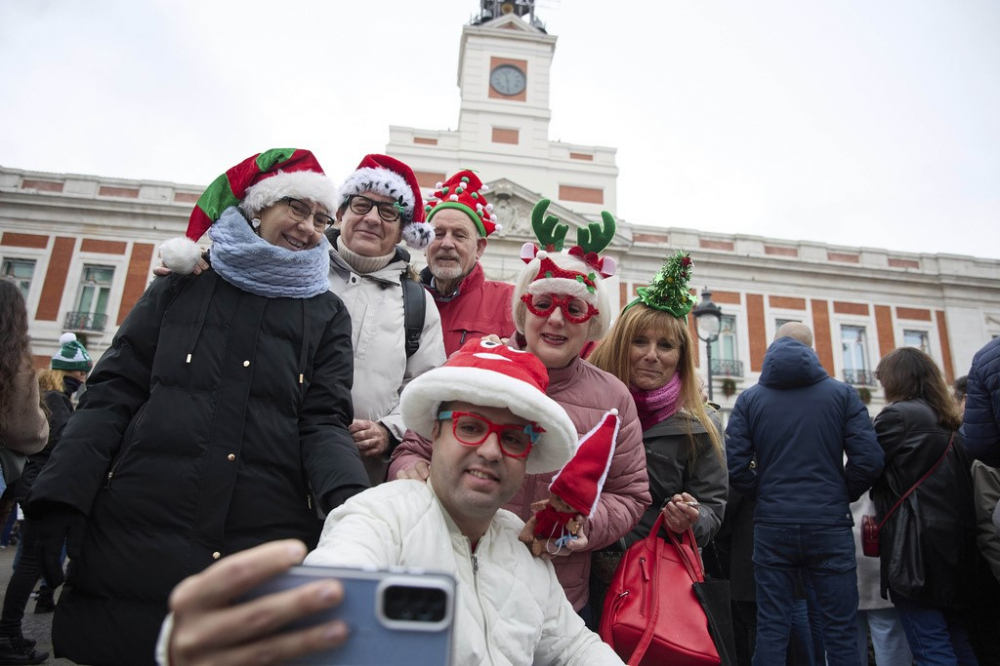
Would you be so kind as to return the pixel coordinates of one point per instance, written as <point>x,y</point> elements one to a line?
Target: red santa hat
<point>580,482</point>
<point>389,177</point>
<point>253,185</point>
<point>464,192</point>
<point>490,374</point>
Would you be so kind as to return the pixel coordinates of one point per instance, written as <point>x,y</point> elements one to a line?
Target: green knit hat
<point>71,355</point>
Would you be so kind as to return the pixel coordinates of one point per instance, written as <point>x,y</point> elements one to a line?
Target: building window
<point>725,350</point>
<point>919,339</point>
<point>21,272</point>
<point>91,312</point>
<point>854,342</point>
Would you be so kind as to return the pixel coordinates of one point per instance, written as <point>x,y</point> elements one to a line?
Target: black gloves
<point>57,523</point>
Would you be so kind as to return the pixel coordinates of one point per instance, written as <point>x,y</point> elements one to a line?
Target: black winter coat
<point>60,409</point>
<point>195,440</point>
<point>928,544</point>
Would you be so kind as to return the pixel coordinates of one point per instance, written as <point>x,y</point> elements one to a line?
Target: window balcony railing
<point>860,378</point>
<point>724,367</point>
<point>85,321</point>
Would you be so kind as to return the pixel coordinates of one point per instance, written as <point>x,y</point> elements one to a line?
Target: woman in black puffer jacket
<point>928,543</point>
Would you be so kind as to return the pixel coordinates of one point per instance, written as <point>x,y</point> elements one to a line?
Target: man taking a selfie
<point>491,423</point>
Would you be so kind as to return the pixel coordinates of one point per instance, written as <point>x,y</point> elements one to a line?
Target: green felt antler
<point>596,236</point>
<point>549,231</point>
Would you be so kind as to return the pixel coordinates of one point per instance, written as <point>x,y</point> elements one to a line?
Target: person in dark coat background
<point>799,422</point>
<point>928,547</point>
<point>216,421</point>
<point>66,374</point>
<point>981,425</point>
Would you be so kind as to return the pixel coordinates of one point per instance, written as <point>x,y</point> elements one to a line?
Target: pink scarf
<point>659,404</point>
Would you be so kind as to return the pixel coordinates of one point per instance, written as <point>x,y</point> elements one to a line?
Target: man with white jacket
<point>491,423</point>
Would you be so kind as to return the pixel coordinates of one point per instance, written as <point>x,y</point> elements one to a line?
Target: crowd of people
<point>298,388</point>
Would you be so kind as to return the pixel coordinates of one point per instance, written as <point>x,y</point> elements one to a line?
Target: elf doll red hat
<point>464,192</point>
<point>490,374</point>
<point>580,482</point>
<point>381,174</point>
<point>253,185</point>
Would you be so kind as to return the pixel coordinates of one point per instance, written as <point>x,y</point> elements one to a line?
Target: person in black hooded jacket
<point>216,421</point>
<point>928,554</point>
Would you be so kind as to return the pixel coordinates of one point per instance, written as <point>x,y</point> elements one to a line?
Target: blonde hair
<point>51,380</point>
<point>598,323</point>
<point>612,355</point>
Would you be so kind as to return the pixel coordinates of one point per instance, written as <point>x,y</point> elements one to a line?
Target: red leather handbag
<point>651,613</point>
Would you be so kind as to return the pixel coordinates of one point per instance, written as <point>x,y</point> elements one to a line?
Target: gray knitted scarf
<point>250,263</point>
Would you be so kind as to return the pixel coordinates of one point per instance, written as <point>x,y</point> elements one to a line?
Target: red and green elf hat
<point>464,192</point>
<point>253,185</point>
<point>259,181</point>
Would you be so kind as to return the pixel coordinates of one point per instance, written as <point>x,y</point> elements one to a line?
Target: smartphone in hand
<point>393,617</point>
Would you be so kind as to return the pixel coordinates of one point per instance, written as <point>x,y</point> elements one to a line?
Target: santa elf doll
<point>574,491</point>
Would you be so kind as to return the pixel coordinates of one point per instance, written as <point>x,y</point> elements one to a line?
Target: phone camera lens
<point>414,604</point>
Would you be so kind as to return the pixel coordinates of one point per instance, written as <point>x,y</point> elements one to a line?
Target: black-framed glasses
<point>300,211</point>
<point>389,211</point>
<point>472,430</point>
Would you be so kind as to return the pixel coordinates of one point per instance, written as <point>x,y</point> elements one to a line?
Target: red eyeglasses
<point>575,310</point>
<point>473,429</point>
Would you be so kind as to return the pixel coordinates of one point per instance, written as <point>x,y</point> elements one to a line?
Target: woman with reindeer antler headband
<point>559,305</point>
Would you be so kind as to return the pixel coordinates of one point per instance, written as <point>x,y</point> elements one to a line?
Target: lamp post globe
<point>708,317</point>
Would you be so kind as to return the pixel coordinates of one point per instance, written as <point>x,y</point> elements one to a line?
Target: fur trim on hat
<point>418,235</point>
<point>380,181</point>
<point>423,396</point>
<point>306,185</point>
<point>180,254</point>
<point>563,286</point>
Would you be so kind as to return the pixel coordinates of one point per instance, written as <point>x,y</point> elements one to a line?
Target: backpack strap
<point>414,309</point>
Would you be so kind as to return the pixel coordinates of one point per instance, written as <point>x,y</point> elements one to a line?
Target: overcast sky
<point>853,122</point>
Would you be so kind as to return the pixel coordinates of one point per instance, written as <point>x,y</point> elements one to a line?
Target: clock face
<point>508,80</point>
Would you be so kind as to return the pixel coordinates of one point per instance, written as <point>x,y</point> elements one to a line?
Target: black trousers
<point>22,582</point>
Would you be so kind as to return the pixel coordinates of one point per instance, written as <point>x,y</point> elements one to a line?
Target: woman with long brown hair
<point>928,542</point>
<point>650,349</point>
<point>23,427</point>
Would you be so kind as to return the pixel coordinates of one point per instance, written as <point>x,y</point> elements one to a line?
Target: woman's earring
<point>255,223</point>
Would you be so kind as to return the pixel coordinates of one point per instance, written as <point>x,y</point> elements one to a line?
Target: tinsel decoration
<point>668,291</point>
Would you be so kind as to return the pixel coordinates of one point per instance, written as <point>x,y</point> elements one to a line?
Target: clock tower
<point>503,73</point>
<point>504,64</point>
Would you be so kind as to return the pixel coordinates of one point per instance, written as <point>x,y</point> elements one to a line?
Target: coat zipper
<point>479,600</point>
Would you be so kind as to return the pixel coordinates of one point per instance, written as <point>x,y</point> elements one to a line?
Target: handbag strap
<point>915,485</point>
<point>694,570</point>
<point>653,604</point>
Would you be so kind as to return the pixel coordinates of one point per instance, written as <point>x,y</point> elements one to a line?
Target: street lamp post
<point>708,317</point>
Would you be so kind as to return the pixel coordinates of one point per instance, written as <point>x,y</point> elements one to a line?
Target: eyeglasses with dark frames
<point>300,211</point>
<point>388,211</point>
<point>472,430</point>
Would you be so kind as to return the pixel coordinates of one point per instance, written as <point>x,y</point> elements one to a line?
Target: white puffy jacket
<point>381,369</point>
<point>510,607</point>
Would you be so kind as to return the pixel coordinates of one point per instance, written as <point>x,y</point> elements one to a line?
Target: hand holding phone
<point>392,617</point>
<point>208,627</point>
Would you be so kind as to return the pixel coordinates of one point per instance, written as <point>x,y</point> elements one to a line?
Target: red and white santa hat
<point>490,374</point>
<point>253,185</point>
<point>580,482</point>
<point>464,192</point>
<point>381,174</point>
